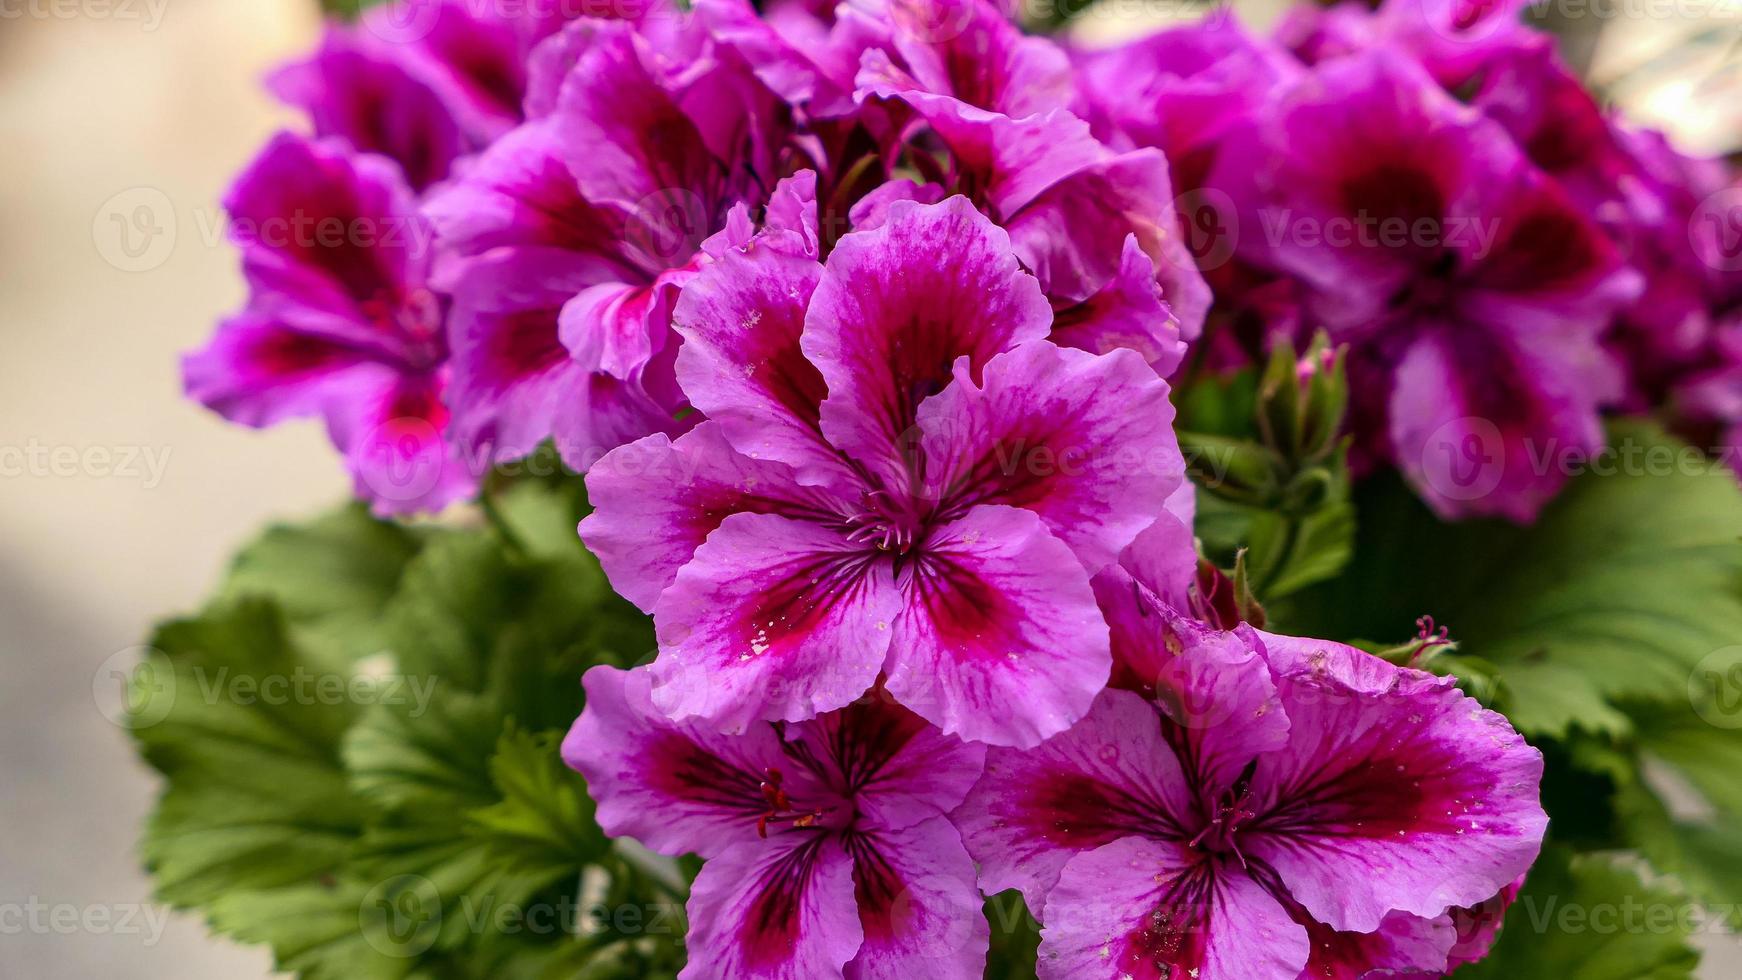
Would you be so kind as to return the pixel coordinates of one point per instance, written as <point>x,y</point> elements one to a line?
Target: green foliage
<point>1266,449</point>
<point>1623,586</point>
<point>360,740</point>
<point>1591,917</point>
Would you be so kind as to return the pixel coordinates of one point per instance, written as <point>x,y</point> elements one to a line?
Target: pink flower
<point>828,852</point>
<point>1270,808</point>
<point>901,477</point>
<point>1472,291</point>
<point>571,236</point>
<point>340,322</point>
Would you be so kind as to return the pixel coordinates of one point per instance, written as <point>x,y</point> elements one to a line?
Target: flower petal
<point>394,441</point>
<point>894,310</point>
<point>774,619</point>
<point>1085,441</point>
<point>678,788</point>
<point>257,371</point>
<point>1403,945</point>
<point>998,613</point>
<point>918,907</point>
<point>331,244</point>
<point>1482,426</point>
<point>741,364</point>
<point>1396,792</point>
<point>1157,910</point>
<point>511,370</point>
<point>780,910</point>
<point>655,501</point>
<point>898,770</point>
<point>1129,312</point>
<point>1110,776</point>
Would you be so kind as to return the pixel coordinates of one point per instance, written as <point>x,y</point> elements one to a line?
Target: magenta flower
<point>900,477</point>
<point>828,852</point>
<point>1182,91</point>
<point>574,232</point>
<point>1471,289</point>
<point>1270,808</point>
<point>363,90</point>
<point>958,75</point>
<point>340,321</point>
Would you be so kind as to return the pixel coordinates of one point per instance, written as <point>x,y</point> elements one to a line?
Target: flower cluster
<point>1430,184</point>
<point>864,326</point>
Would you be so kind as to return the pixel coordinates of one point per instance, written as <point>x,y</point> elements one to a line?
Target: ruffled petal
<point>1084,441</point>
<point>331,244</point>
<point>894,310</point>
<point>998,612</point>
<point>773,619</point>
<point>367,95</point>
<point>655,501</point>
<point>1396,792</point>
<point>1110,776</point>
<point>1403,945</point>
<point>898,770</point>
<point>918,908</point>
<point>1483,426</point>
<point>1129,312</point>
<point>781,910</point>
<point>256,371</point>
<point>741,320</point>
<point>1157,910</point>
<point>395,445</point>
<point>511,370</point>
<point>678,788</point>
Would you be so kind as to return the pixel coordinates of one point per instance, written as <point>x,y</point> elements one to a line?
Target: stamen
<point>779,803</point>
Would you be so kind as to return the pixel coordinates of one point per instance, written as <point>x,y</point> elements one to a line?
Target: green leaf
<point>330,577</point>
<point>1625,583</point>
<point>545,814</point>
<point>234,717</point>
<point>347,931</point>
<point>1591,917</point>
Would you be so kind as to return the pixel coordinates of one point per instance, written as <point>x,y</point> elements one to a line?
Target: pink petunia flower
<point>900,476</point>
<point>340,322</point>
<point>828,852</point>
<point>1252,806</point>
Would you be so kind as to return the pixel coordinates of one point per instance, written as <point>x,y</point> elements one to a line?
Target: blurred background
<point>121,122</point>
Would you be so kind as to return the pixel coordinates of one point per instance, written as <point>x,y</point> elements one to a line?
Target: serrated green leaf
<point>1624,584</point>
<point>544,813</point>
<point>256,796</point>
<point>1591,917</point>
<point>323,932</point>
<point>330,576</point>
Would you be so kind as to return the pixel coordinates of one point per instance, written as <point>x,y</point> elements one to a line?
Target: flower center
<point>1221,835</point>
<point>886,522</point>
<point>780,809</point>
